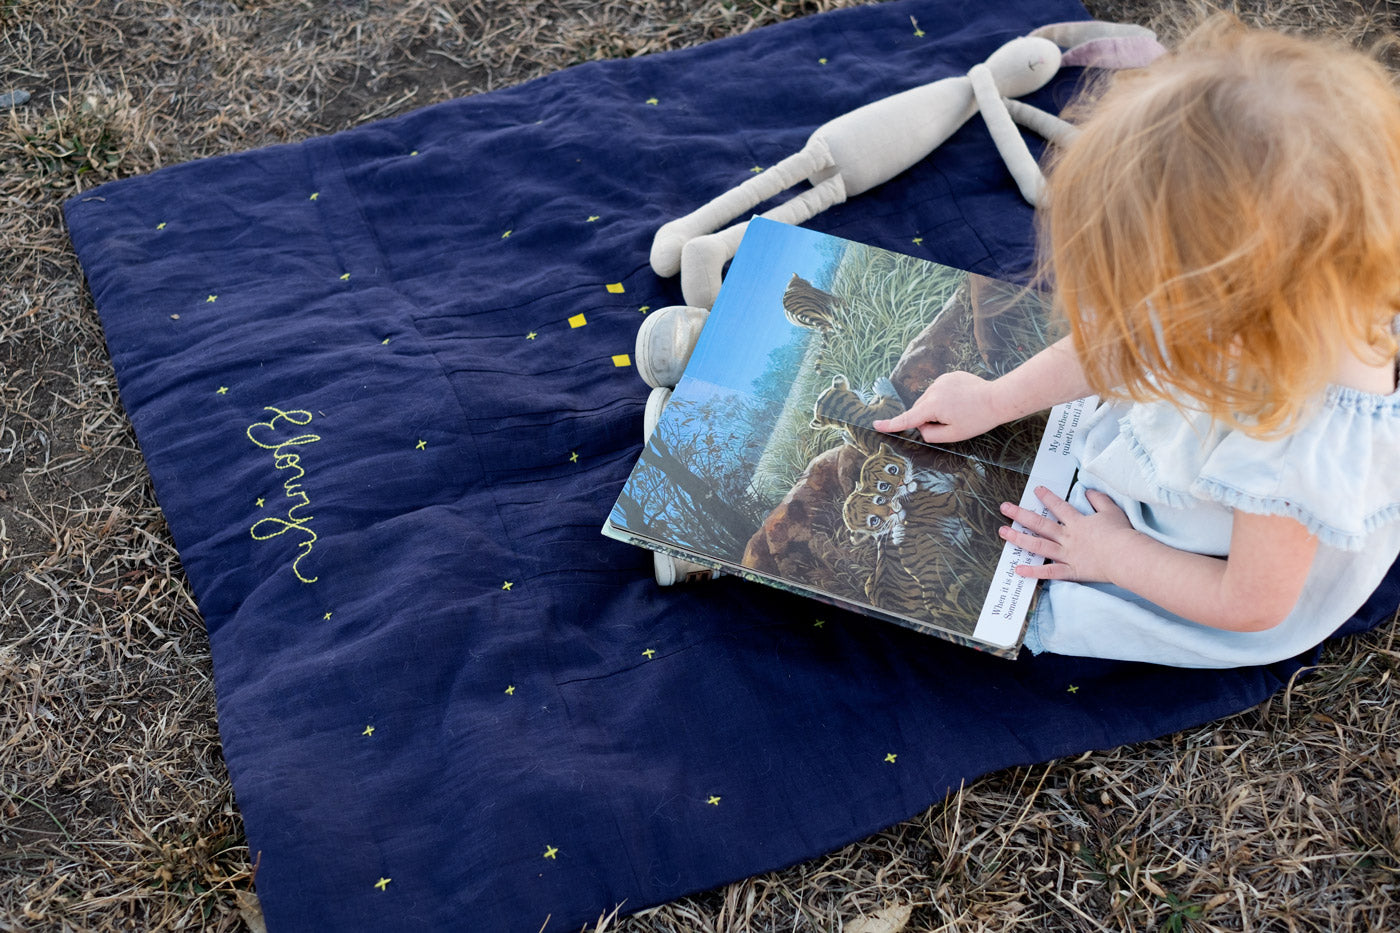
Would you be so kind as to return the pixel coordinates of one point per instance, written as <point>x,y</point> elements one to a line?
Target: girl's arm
<point>959,405</point>
<point>1253,589</point>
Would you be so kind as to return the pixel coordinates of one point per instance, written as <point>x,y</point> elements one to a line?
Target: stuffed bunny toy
<point>870,145</point>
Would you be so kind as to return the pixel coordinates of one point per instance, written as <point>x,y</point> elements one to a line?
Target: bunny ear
<point>1125,52</point>
<point>1074,33</point>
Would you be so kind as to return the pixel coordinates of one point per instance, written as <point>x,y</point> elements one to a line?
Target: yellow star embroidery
<point>653,101</point>
<point>211,299</point>
<point>422,445</point>
<point>369,730</point>
<point>713,801</point>
<point>260,502</point>
<point>891,757</point>
<point>161,225</point>
<point>383,883</point>
<point>345,277</point>
<point>622,359</point>
<point>531,335</point>
<point>592,218</point>
<point>326,617</point>
<point>550,852</point>
<point>223,390</point>
<point>573,457</point>
<point>510,691</point>
<point>507,585</point>
<point>314,195</point>
<point>1073,689</point>
<point>616,288</point>
<point>649,653</point>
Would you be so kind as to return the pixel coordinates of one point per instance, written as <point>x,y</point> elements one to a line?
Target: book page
<point>1004,612</point>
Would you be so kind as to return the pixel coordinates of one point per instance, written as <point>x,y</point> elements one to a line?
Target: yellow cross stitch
<point>345,277</point>
<point>223,390</point>
<point>918,240</point>
<point>326,617</point>
<point>510,691</point>
<point>161,225</point>
<point>531,335</point>
<point>211,299</point>
<point>314,195</point>
<point>550,851</point>
<point>573,457</point>
<point>644,308</point>
<point>891,757</point>
<point>578,320</point>
<point>653,101</point>
<point>649,653</point>
<point>713,801</point>
<point>507,234</point>
<point>818,623</point>
<point>383,883</point>
<point>369,730</point>
<point>507,585</point>
<point>756,169</point>
<point>384,342</point>
<point>622,359</point>
<point>592,217</point>
<point>260,502</point>
<point>1073,689</point>
<point>821,61</point>
<point>422,445</point>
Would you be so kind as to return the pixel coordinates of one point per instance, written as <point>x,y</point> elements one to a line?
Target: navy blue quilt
<point>383,383</point>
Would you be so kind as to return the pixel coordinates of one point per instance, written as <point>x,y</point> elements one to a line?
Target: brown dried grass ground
<point>115,809</point>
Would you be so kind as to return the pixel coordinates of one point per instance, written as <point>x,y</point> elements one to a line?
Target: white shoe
<point>671,570</point>
<point>656,402</point>
<point>665,341</point>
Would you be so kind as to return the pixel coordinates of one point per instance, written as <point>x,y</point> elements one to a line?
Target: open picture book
<point>764,463</point>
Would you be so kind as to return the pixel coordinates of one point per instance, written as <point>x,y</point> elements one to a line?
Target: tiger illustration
<point>840,406</point>
<point>891,473</point>
<point>808,306</point>
<point>873,514</point>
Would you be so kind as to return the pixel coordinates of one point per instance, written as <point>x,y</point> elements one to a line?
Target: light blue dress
<point>1179,476</point>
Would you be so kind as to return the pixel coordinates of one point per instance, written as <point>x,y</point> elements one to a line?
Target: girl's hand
<point>1085,548</point>
<point>955,406</point>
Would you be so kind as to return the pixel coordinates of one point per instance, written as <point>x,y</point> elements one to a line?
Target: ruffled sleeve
<point>1338,474</point>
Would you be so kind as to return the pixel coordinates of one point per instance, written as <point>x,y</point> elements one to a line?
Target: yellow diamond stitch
<point>622,359</point>
<point>615,288</point>
<point>578,320</point>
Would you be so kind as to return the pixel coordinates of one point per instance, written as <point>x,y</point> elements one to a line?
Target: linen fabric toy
<point>872,144</point>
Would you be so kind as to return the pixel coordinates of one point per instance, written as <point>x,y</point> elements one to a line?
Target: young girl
<point>1223,239</point>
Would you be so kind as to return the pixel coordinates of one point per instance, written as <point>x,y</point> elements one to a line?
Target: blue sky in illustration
<point>747,321</point>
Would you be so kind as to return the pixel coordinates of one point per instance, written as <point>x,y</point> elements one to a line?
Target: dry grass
<point>115,809</point>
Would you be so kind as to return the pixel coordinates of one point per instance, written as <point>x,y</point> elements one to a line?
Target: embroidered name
<point>267,435</point>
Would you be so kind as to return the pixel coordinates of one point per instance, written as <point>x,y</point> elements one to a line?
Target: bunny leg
<point>671,238</point>
<point>1007,137</point>
<point>703,258</point>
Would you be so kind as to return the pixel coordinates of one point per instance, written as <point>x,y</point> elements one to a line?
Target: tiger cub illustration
<point>808,306</point>
<point>873,514</point>
<point>891,473</point>
<point>840,406</point>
